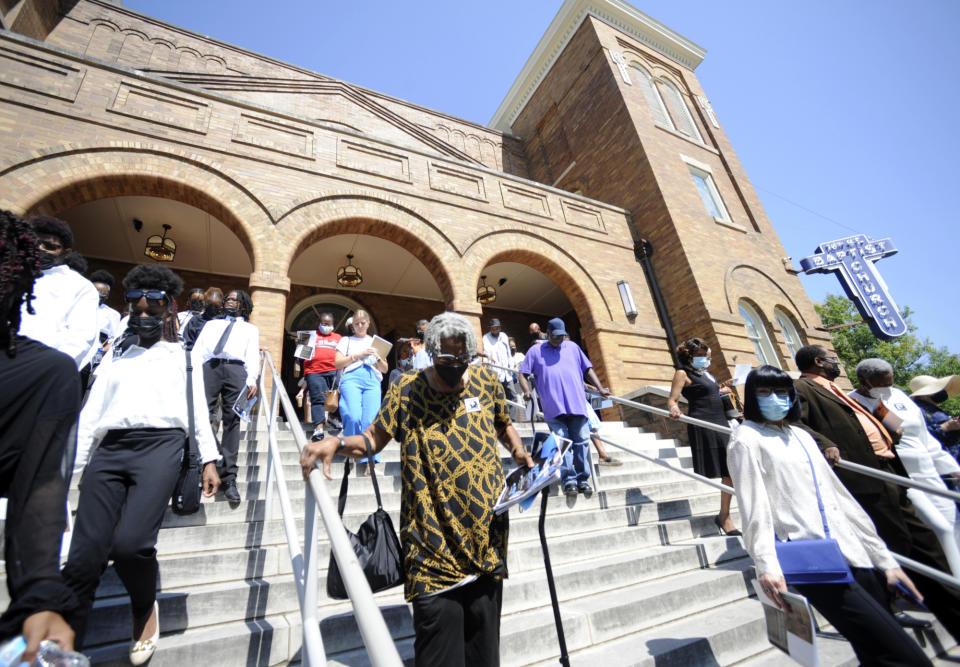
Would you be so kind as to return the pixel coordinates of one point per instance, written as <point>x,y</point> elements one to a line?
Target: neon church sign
<point>852,259</point>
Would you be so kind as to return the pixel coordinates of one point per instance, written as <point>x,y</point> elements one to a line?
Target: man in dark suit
<point>844,429</point>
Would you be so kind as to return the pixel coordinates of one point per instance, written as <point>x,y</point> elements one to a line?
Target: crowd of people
<point>88,391</point>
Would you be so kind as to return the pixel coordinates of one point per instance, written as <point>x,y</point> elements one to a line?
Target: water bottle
<point>49,655</point>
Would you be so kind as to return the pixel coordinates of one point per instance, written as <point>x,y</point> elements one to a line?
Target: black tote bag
<point>375,543</point>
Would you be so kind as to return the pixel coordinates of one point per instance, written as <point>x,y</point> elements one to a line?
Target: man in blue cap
<point>559,367</point>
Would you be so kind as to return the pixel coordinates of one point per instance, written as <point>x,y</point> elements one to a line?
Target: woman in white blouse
<point>770,463</point>
<point>130,442</point>
<point>922,455</point>
<point>363,370</point>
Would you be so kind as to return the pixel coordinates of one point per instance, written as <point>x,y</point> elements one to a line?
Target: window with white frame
<point>707,189</point>
<point>652,95</point>
<point>757,333</point>
<point>682,118</point>
<point>790,333</point>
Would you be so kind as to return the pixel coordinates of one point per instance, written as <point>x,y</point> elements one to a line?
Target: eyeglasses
<point>154,295</point>
<point>766,391</point>
<point>50,246</point>
<point>448,359</point>
<point>830,360</point>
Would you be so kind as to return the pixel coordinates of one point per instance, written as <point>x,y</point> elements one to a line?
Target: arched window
<point>652,95</point>
<point>683,120</point>
<point>306,314</point>
<point>790,333</point>
<point>757,333</point>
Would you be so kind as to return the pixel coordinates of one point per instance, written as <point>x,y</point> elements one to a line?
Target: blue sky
<point>843,113</point>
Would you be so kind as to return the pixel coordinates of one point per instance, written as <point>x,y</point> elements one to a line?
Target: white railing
<point>906,562</point>
<point>381,650</point>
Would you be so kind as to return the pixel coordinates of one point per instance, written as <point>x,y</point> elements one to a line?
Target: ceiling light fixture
<point>161,248</point>
<point>486,293</point>
<point>349,275</point>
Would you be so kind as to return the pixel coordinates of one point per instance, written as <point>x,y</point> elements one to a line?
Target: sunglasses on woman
<point>156,296</point>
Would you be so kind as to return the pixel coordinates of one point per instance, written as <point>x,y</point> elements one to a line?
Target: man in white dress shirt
<point>108,322</point>
<point>495,348</point>
<point>64,302</point>
<point>228,349</point>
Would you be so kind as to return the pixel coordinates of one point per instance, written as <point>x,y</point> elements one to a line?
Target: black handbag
<point>186,493</point>
<point>817,561</point>
<point>375,543</point>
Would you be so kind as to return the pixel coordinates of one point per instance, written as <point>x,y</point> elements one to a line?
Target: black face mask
<point>147,328</point>
<point>231,312</point>
<point>46,260</point>
<point>420,334</point>
<point>939,397</point>
<point>451,373</point>
<point>196,306</point>
<point>833,370</point>
<point>103,299</point>
<point>212,311</point>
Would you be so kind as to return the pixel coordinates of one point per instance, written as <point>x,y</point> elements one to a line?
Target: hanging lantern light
<point>349,275</point>
<point>486,293</point>
<point>161,248</point>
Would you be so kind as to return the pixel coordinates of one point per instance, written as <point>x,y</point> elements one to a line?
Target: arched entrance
<point>112,233</point>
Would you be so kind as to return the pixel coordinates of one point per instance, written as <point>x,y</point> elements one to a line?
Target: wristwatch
<point>343,443</point>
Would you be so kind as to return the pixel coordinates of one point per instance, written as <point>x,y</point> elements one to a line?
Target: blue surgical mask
<point>774,408</point>
<point>700,363</point>
<point>325,329</point>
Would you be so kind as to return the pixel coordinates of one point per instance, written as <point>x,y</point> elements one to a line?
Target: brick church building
<point>604,168</point>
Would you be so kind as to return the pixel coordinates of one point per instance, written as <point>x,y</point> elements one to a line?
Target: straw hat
<point>925,385</point>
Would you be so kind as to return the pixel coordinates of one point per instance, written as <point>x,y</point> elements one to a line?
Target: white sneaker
<point>318,433</point>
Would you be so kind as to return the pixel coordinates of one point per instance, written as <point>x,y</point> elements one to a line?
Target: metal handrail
<point>381,650</point>
<point>905,561</point>
<point>846,465</point>
<point>909,563</point>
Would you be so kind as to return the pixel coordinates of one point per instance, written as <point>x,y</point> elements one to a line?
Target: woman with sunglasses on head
<point>363,370</point>
<point>130,445</point>
<point>781,479</point>
<point>703,393</point>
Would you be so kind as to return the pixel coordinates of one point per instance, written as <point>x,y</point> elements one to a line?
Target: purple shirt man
<point>558,367</point>
<point>558,374</point>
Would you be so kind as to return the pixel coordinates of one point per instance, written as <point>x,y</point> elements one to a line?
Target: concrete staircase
<point>642,575</point>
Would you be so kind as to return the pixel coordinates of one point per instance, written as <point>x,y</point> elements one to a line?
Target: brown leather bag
<point>332,404</point>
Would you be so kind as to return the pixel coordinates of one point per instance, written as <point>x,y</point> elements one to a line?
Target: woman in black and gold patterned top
<point>448,419</point>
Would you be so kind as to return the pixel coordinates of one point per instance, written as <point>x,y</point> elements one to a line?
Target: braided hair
<point>246,303</point>
<point>19,268</point>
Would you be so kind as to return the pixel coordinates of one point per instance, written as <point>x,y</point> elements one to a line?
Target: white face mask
<point>883,393</point>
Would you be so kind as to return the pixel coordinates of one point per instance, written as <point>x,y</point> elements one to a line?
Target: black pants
<point>39,399</point>
<point>459,628</point>
<point>906,534</point>
<point>225,380</point>
<point>123,494</point>
<point>859,612</point>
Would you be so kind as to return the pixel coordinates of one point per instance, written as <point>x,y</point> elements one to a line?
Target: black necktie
<point>223,339</point>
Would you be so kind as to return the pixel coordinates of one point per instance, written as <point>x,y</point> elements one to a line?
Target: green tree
<point>909,355</point>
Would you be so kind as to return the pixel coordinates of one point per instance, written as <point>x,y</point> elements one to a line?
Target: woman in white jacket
<point>922,455</point>
<point>130,443</point>
<point>777,469</point>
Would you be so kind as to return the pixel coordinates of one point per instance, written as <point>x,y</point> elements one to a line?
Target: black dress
<point>709,447</point>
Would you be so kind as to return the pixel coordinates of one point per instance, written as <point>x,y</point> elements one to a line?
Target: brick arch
<point>736,285</point>
<point>552,261</point>
<point>343,214</point>
<point>62,180</point>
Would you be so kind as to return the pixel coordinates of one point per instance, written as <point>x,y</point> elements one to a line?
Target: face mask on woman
<point>700,363</point>
<point>325,329</point>
<point>773,407</point>
<point>451,373</point>
<point>147,328</point>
